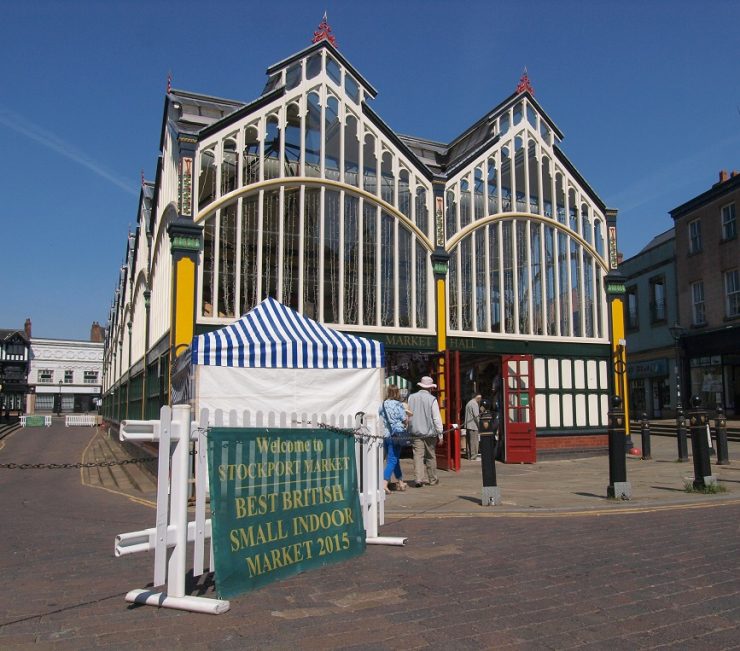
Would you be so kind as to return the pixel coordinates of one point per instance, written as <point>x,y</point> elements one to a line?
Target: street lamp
<point>59,412</point>
<point>683,451</point>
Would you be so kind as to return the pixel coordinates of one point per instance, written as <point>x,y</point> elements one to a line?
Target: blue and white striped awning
<point>274,336</point>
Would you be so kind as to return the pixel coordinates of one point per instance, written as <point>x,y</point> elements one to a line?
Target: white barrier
<point>172,529</point>
<point>80,420</point>
<point>47,419</point>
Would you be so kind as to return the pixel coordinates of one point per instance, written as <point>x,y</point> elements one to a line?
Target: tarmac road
<point>661,570</point>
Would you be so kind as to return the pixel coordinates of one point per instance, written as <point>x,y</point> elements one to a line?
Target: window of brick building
<point>732,293</point>
<point>729,228</point>
<point>697,303</point>
<point>633,317</point>
<point>695,236</point>
<point>91,377</point>
<point>68,377</point>
<point>657,299</point>
<point>45,376</point>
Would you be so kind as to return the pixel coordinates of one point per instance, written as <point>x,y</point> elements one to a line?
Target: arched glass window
<point>564,289</point>
<point>333,70</point>
<point>506,181</point>
<point>331,256</point>
<point>573,210</point>
<point>370,165</point>
<point>404,193</point>
<point>207,178</point>
<point>292,141</point>
<point>536,274</point>
<point>517,113</point>
<point>313,65</point>
<point>270,243</point>
<point>534,191</point>
<point>531,116</point>
<point>293,76</point>
<point>291,247</point>
<point>370,278</point>
<point>422,215</point>
<point>311,252</point>
<point>405,277</point>
<point>387,275</point>
<point>509,297</point>
<point>251,160</point>
<point>388,187</point>
<point>209,265</point>
<point>479,209</point>
<point>560,197</point>
<point>504,124</point>
<point>351,87</point>
<point>523,287</point>
<point>229,167</point>
<point>551,291</point>
<point>464,202</point>
<point>451,220</point>
<point>546,186</point>
<point>492,187</point>
<point>520,186</point>
<point>351,152</point>
<point>313,136</point>
<point>351,283</point>
<point>272,148</point>
<point>227,260</point>
<point>250,235</point>
<point>494,257</point>
<point>479,257</point>
<point>586,224</point>
<point>599,236</point>
<point>421,284</point>
<point>332,131</point>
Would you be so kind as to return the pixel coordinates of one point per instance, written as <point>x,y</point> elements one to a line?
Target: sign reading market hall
<point>282,501</point>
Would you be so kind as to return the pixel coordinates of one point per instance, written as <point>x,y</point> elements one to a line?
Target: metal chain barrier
<point>90,464</point>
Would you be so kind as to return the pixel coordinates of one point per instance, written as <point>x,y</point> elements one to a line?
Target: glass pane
<point>331,257</point>
<point>351,259</point>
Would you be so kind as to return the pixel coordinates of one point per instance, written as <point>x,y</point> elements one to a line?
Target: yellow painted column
<point>185,245</point>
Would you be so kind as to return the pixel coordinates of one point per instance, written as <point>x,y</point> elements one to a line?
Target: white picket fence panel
<point>172,528</point>
<point>47,420</point>
<point>80,420</point>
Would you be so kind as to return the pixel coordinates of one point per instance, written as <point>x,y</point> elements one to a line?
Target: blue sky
<point>647,94</point>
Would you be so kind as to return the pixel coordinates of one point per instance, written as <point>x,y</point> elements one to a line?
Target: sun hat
<point>426,383</point>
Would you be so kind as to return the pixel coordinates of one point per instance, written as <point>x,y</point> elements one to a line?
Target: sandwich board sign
<point>282,501</point>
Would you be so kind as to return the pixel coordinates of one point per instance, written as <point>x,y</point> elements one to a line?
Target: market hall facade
<point>480,261</point>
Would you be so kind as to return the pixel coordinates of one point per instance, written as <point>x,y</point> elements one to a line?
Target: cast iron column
<point>618,487</point>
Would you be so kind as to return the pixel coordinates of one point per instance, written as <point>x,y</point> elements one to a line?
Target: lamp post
<point>59,411</point>
<point>683,451</point>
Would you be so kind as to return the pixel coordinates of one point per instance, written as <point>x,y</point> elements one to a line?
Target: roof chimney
<point>97,335</point>
<point>27,328</point>
<point>723,176</point>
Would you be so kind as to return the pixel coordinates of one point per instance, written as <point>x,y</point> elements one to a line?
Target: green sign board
<point>35,421</point>
<point>282,501</point>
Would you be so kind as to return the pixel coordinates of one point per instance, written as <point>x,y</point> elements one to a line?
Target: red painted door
<point>518,408</point>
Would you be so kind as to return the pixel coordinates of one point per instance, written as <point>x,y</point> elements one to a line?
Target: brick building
<point>708,285</point>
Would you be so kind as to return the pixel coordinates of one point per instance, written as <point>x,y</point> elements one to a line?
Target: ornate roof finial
<point>169,82</point>
<point>142,177</point>
<point>524,83</point>
<point>324,33</point>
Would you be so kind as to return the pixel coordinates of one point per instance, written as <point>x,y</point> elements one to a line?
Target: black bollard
<point>491,492</point>
<point>683,447</point>
<point>720,424</point>
<point>619,487</point>
<point>645,435</point>
<point>700,445</point>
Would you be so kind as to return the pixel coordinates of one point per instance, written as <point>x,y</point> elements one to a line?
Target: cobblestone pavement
<point>664,573</point>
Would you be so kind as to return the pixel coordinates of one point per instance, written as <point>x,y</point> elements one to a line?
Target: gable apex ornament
<point>525,84</point>
<point>324,33</point>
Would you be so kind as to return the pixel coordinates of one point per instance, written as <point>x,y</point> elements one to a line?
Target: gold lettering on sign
<point>186,187</point>
<point>439,222</point>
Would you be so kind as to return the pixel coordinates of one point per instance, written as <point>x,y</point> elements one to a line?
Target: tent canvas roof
<point>275,336</point>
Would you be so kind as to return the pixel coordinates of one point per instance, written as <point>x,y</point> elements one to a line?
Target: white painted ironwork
<point>80,420</point>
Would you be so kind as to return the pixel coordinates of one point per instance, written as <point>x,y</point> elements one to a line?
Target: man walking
<point>472,418</point>
<point>426,426</point>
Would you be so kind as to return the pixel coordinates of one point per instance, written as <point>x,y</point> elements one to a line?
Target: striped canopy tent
<point>274,359</point>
